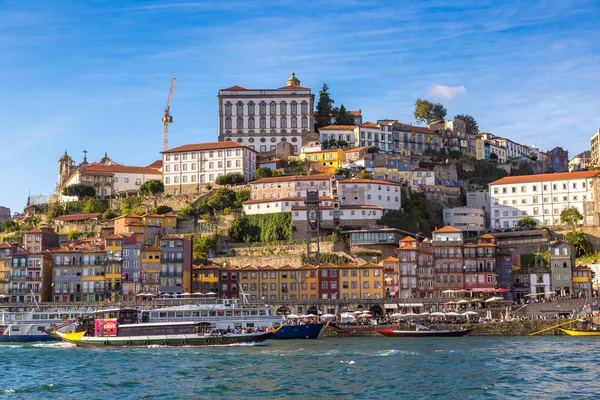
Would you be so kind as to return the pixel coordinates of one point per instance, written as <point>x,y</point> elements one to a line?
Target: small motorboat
<point>579,332</point>
<point>423,331</point>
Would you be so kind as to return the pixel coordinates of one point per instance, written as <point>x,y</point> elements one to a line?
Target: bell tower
<point>65,168</point>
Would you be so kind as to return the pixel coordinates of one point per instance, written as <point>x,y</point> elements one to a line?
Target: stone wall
<point>176,202</point>
<point>445,172</point>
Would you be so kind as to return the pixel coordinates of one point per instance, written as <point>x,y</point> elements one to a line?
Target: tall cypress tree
<point>343,117</point>
<point>324,108</point>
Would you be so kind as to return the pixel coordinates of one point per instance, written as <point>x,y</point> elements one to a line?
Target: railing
<point>33,278</point>
<point>171,260</point>
<point>174,274</point>
<point>96,262</point>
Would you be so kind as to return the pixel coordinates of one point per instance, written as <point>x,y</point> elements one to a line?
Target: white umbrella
<point>424,313</point>
<point>471,313</point>
<point>463,301</point>
<point>492,299</point>
<point>449,291</point>
<point>198,294</point>
<point>437,314</point>
<point>453,314</point>
<point>364,316</point>
<point>357,312</point>
<point>210,293</point>
<point>309,316</point>
<point>186,294</point>
<point>451,302</point>
<point>328,316</point>
<point>292,316</point>
<point>397,315</point>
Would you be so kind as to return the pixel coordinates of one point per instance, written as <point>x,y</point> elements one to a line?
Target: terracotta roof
<point>156,164</point>
<point>283,179</point>
<point>485,244</point>
<point>355,149</point>
<point>439,121</point>
<point>356,113</point>
<point>369,125</point>
<point>5,245</point>
<point>408,239</point>
<point>359,207</point>
<point>374,181</point>
<point>276,200</point>
<point>205,146</point>
<point>210,266</point>
<point>415,129</point>
<point>390,259</point>
<point>128,215</point>
<point>487,236</point>
<point>113,169</point>
<point>325,151</point>
<point>370,265</point>
<point>328,265</point>
<point>236,87</point>
<point>546,177</point>
<point>447,229</point>
<point>78,217</point>
<point>470,244</point>
<point>308,266</point>
<point>151,248</point>
<point>338,128</point>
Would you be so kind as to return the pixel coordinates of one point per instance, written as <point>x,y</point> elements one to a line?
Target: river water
<point>365,368</point>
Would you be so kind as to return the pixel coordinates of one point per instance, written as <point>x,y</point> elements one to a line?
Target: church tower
<point>65,168</point>
<point>292,80</point>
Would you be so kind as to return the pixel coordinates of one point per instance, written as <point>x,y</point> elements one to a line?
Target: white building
<point>371,192</point>
<point>312,147</point>
<point>421,177</point>
<point>468,220</point>
<point>111,179</point>
<point>541,197</point>
<point>187,167</point>
<point>261,118</point>
<point>337,133</point>
<point>398,137</point>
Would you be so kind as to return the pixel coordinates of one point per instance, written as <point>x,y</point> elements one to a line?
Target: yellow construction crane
<point>167,119</point>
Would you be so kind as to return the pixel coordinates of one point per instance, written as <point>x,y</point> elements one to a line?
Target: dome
<point>292,80</point>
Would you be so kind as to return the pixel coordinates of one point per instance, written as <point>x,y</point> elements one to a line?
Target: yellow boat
<point>575,332</point>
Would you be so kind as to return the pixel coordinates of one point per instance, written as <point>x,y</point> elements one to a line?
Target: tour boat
<point>423,331</point>
<point>119,328</point>
<point>31,325</point>
<point>577,332</point>
<point>228,313</point>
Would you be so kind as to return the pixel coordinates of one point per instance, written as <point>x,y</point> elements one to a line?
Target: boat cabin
<point>95,322</point>
<point>164,328</point>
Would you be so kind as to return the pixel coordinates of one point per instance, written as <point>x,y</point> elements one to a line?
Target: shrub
<point>230,179</point>
<point>79,190</point>
<point>162,209</point>
<point>152,186</point>
<point>95,206</point>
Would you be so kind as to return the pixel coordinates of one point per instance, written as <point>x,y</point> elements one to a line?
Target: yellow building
<point>205,278</point>
<point>114,263</point>
<point>372,281</point>
<point>479,148</point>
<point>324,158</point>
<point>146,227</point>
<point>350,276</point>
<point>308,289</point>
<point>150,269</point>
<point>5,263</point>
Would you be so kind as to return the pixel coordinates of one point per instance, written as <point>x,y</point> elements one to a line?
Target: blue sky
<point>95,75</point>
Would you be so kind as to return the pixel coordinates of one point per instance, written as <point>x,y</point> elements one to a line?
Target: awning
<point>413,305</point>
<point>392,306</point>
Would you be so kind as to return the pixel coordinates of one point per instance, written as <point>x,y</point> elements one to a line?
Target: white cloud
<point>446,92</point>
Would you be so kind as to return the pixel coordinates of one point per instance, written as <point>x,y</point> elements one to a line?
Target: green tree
<point>187,212</point>
<point>342,143</point>
<point>263,172</point>
<point>242,231</point>
<point>162,209</point>
<point>571,216</point>
<point>241,197</point>
<point>527,222</point>
<point>471,125</point>
<point>364,175</point>
<point>95,206</point>
<point>74,235</point>
<point>130,205</point>
<point>10,226</point>
<point>330,143</point>
<point>230,179</point>
<point>221,199</point>
<point>533,156</point>
<point>343,117</point>
<point>580,242</point>
<point>79,190</point>
<point>426,111</point>
<point>202,245</point>
<point>152,186</point>
<point>54,210</point>
<point>372,149</point>
<point>109,214</point>
<point>493,156</point>
<point>324,108</point>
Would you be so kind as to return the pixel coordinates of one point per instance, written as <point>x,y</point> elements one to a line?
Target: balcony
<point>33,278</point>
<point>17,278</point>
<point>165,273</point>
<point>17,290</point>
<point>95,262</point>
<point>171,260</point>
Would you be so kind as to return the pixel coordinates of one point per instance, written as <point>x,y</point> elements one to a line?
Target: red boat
<point>426,332</point>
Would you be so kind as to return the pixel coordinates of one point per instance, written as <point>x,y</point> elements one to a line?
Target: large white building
<point>541,197</point>
<point>339,133</point>
<point>187,167</point>
<point>469,220</point>
<point>261,118</point>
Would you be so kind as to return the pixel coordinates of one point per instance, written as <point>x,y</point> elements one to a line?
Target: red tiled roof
<point>156,164</point>
<point>274,200</point>
<point>374,181</point>
<point>293,178</point>
<point>356,113</point>
<point>300,208</point>
<point>408,239</point>
<point>112,169</point>
<point>355,149</point>
<point>236,87</point>
<point>562,176</point>
<point>447,229</point>
<point>360,208</point>
<point>369,125</point>
<point>78,217</point>
<point>390,259</point>
<point>204,146</point>
<point>338,128</point>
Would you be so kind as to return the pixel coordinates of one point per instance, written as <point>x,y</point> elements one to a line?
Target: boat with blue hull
<point>305,331</point>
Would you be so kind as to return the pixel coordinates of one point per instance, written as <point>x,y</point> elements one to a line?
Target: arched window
<point>263,122</point>
<point>294,108</point>
<point>240,108</point>
<point>294,122</point>
<point>273,108</point>
<point>283,122</point>
<point>240,123</point>
<point>263,108</point>
<point>304,108</point>
<point>228,108</point>
<point>251,123</point>
<point>273,123</point>
<point>283,108</point>
<point>251,108</point>
<point>304,122</point>
<point>228,123</point>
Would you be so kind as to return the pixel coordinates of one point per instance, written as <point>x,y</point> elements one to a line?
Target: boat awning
<point>392,306</point>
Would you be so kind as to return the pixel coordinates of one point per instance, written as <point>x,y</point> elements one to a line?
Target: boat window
<point>187,314</point>
<point>15,328</point>
<point>212,314</point>
<point>53,316</point>
<point>250,324</point>
<point>204,313</point>
<point>276,324</point>
<point>245,313</point>
<point>35,316</point>
<point>195,314</point>
<point>179,314</point>
<point>41,328</point>
<point>254,312</point>
<point>237,313</point>
<point>228,313</point>
<point>171,314</point>
<point>237,325</point>
<point>64,316</point>
<point>162,315</point>
<point>262,312</point>
<point>18,317</point>
<point>43,316</point>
